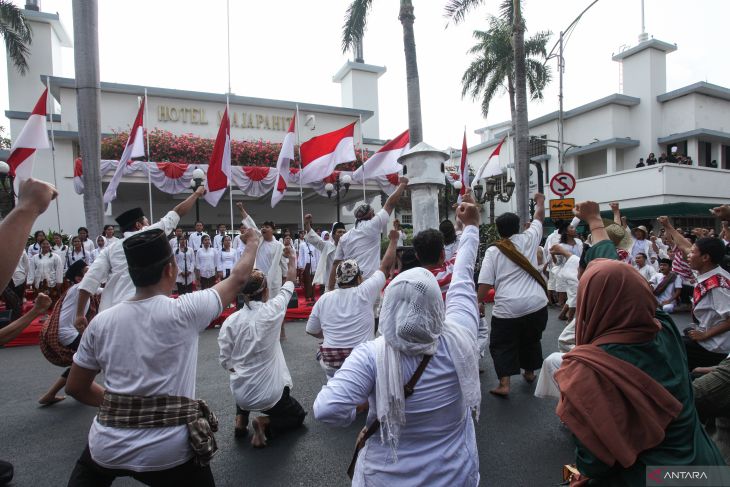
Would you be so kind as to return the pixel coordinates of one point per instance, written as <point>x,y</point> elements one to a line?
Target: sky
<point>290,49</point>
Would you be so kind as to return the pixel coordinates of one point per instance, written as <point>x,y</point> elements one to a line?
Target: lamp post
<point>491,193</point>
<point>5,176</point>
<point>448,198</point>
<point>339,183</point>
<point>197,181</point>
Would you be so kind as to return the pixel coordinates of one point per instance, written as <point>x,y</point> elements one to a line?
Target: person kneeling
<point>251,352</point>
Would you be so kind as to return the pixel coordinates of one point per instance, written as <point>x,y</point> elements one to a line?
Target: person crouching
<point>251,352</point>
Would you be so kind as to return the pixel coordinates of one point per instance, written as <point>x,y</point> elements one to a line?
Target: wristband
<point>596,228</point>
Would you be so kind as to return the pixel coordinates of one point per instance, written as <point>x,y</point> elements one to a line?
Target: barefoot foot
<point>258,440</point>
<point>50,401</point>
<point>529,376</point>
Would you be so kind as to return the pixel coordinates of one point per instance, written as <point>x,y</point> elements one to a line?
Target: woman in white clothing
<point>58,246</point>
<point>205,258</point>
<point>35,249</point>
<point>251,353</point>
<point>100,243</point>
<point>225,258</point>
<point>88,244</point>
<point>46,272</point>
<point>77,252</point>
<point>428,437</point>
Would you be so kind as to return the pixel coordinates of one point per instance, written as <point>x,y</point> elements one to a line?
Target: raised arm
<point>588,211</point>
<point>539,207</point>
<point>228,288</point>
<point>389,257</point>
<point>187,204</point>
<point>682,243</point>
<point>33,199</point>
<point>395,197</point>
<point>616,212</point>
<point>311,236</point>
<point>461,304</point>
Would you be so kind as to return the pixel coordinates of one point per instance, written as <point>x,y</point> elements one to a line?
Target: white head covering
<point>412,321</point>
<point>325,235</point>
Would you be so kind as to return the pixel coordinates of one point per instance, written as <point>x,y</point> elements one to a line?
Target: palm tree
<point>352,33</point>
<point>511,15</point>
<point>88,89</point>
<point>17,34</point>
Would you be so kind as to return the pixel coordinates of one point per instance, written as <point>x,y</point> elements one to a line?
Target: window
<point>406,219</point>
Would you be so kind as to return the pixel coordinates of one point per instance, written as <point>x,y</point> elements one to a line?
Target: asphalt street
<point>520,440</point>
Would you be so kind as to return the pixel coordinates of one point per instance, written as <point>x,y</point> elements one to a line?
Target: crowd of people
<point>400,336</point>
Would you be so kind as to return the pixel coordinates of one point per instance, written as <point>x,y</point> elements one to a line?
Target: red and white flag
<point>219,170</point>
<point>491,166</point>
<point>286,155</point>
<point>321,154</point>
<point>134,148</point>
<point>463,169</point>
<point>33,136</point>
<point>385,161</point>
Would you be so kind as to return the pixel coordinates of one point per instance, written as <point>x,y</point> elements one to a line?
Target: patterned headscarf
<point>362,211</point>
<point>347,271</point>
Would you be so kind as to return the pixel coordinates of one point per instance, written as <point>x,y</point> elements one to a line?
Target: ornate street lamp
<point>491,194</point>
<point>340,182</point>
<point>5,176</point>
<point>197,181</point>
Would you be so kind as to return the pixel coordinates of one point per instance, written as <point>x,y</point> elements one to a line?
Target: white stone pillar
<point>611,160</point>
<point>693,150</point>
<point>423,166</point>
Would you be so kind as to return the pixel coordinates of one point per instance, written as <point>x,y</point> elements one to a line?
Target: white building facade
<point>605,140</point>
<point>184,112</point>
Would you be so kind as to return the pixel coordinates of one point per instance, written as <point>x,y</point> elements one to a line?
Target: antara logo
<point>655,475</point>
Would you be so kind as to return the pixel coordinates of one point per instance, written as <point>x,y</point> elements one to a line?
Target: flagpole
<point>362,156</point>
<point>230,177</point>
<point>228,37</point>
<point>145,128</point>
<point>53,147</point>
<point>301,169</point>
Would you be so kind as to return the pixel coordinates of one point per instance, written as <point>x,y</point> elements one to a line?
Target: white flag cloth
<point>33,136</point>
<point>491,166</point>
<point>219,170</point>
<point>133,148</point>
<point>385,161</point>
<point>321,154</point>
<point>283,163</point>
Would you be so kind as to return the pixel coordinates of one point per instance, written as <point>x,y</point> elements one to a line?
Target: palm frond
<point>537,44</point>
<point>16,33</point>
<point>355,22</point>
<point>456,10</point>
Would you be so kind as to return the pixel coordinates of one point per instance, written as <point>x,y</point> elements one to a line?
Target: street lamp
<point>197,181</point>
<point>5,175</point>
<point>491,194</point>
<point>339,183</point>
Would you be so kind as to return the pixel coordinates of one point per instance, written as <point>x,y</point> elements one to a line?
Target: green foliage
<point>49,235</point>
<point>16,33</point>
<point>5,142</point>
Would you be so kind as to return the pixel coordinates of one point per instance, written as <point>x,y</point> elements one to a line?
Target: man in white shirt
<point>667,286</point>
<point>218,239</point>
<point>238,245</point>
<point>307,260</point>
<point>175,240</point>
<point>149,426</point>
<point>195,239</point>
<point>250,351</point>
<point>111,265</point>
<point>640,264</point>
<point>362,243</point>
<point>519,315</point>
<point>708,342</point>
<point>326,249</point>
<point>344,317</point>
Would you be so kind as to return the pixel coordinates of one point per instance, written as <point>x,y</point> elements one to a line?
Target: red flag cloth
<point>256,173</point>
<point>33,136</point>
<point>385,161</point>
<point>219,169</point>
<point>463,169</point>
<point>133,148</point>
<point>321,154</point>
<point>283,164</point>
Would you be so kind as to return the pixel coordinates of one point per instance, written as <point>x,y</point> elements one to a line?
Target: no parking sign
<point>562,184</point>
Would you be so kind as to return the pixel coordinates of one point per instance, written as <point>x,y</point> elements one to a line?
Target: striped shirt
<point>681,267</point>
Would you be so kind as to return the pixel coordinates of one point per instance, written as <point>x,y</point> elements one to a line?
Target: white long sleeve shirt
<point>218,241</point>
<point>45,267</point>
<point>111,264</point>
<point>185,262</point>
<point>326,250</point>
<point>362,243</point>
<point>437,443</point>
<point>308,254</point>
<point>205,262</point>
<point>195,239</point>
<point>250,351</point>
<point>225,260</point>
<point>20,275</point>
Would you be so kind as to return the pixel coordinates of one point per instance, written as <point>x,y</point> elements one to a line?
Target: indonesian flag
<point>33,136</point>
<point>385,161</point>
<point>321,154</point>
<point>134,148</point>
<point>491,167</point>
<point>463,170</point>
<point>219,170</point>
<point>286,155</point>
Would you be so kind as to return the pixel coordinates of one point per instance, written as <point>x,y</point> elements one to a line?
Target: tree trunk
<point>513,113</point>
<point>88,96</point>
<point>522,165</point>
<point>415,127</point>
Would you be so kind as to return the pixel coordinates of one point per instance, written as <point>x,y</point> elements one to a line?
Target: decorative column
<point>423,165</point>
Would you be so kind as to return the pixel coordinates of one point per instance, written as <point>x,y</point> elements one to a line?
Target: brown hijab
<point>614,408</point>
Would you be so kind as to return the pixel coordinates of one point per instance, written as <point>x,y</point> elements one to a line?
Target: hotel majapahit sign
<point>239,119</point>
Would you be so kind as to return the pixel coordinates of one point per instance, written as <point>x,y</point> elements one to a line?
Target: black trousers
<point>307,282</point>
<point>184,288</point>
<point>207,282</point>
<point>88,473</point>
<point>515,343</point>
<point>699,356</point>
<point>285,415</point>
<point>12,302</point>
